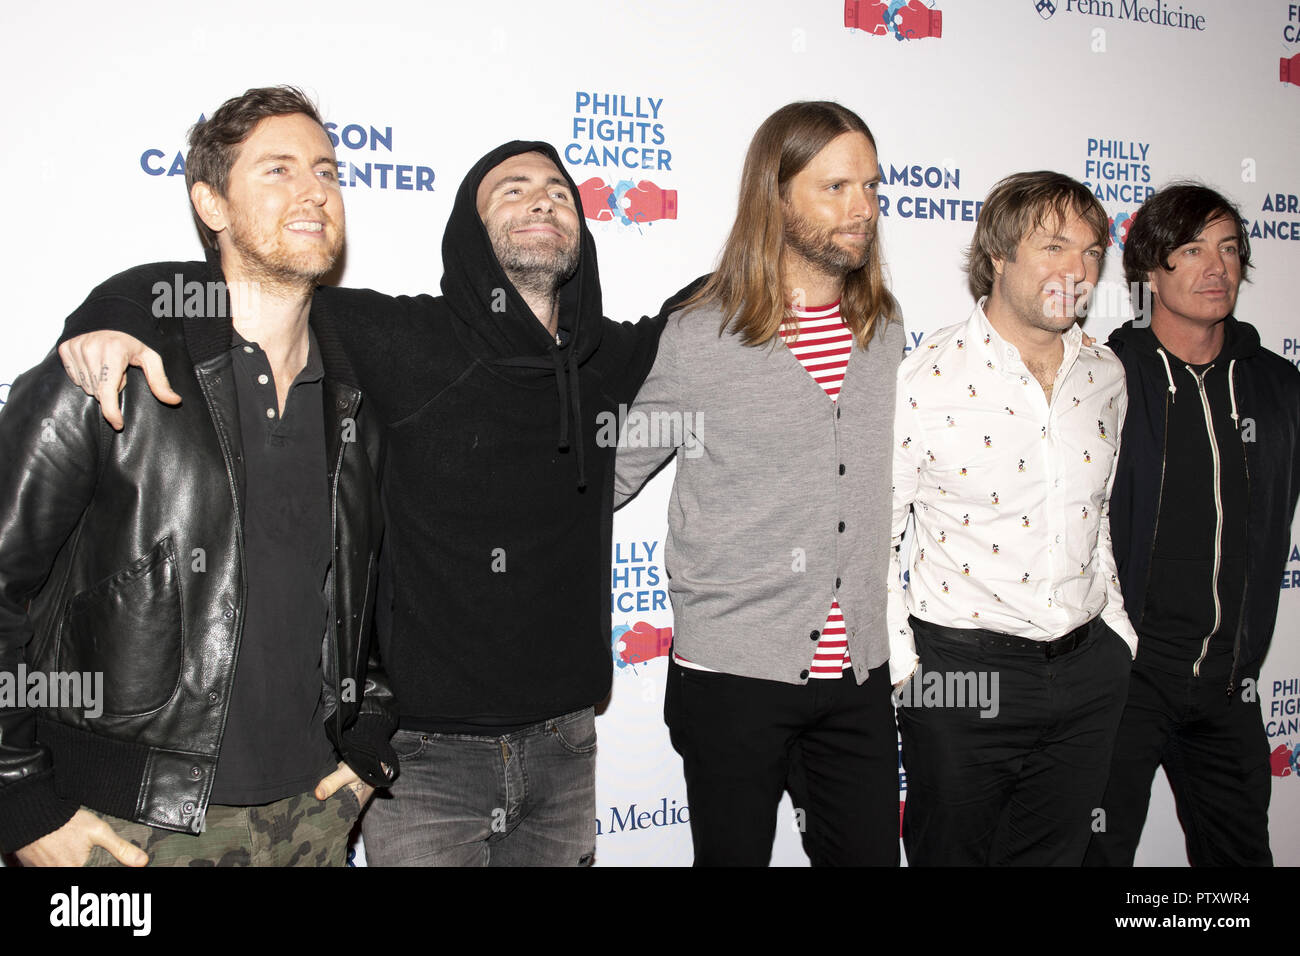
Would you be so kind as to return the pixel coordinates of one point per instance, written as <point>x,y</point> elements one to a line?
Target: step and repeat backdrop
<point>652,105</point>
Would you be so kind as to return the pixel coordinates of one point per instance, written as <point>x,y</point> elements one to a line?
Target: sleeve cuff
<point>30,809</point>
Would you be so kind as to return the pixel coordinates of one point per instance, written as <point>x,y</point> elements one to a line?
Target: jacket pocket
<point>129,628</point>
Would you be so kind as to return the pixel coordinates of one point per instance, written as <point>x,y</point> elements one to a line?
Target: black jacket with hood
<point>495,577</point>
<point>1264,391</point>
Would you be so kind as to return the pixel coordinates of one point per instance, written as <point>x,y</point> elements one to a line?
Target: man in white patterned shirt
<point>1009,643</point>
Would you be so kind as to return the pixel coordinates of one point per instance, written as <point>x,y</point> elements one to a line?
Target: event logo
<point>1118,174</point>
<point>666,814</point>
<point>1272,228</point>
<point>1283,720</point>
<point>353,142</point>
<point>1289,66</point>
<point>903,19</point>
<point>639,642</point>
<point>936,194</point>
<point>622,132</point>
<point>637,577</point>
<point>1160,13</point>
<point>627,202</point>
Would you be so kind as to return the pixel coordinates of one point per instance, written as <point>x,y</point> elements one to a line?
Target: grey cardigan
<point>781,499</point>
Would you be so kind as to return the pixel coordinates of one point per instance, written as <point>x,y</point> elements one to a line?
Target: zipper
<point>1160,498</point>
<point>1245,581</point>
<point>1218,517</point>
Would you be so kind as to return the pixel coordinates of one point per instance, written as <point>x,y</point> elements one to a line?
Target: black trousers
<point>1215,754</point>
<point>1021,785</point>
<point>744,742</point>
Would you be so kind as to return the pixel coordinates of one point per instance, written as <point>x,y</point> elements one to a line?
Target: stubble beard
<point>538,269</point>
<point>274,268</point>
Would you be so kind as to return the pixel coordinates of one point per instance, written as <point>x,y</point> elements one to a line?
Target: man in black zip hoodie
<point>1200,515</point>
<point>493,613</point>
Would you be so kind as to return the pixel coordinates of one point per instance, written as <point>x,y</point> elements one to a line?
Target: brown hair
<point>1017,206</point>
<point>747,284</point>
<point>215,142</point>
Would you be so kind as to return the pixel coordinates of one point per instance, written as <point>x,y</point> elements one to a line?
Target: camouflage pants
<point>295,831</point>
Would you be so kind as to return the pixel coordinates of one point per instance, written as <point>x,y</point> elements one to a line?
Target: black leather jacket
<point>122,554</point>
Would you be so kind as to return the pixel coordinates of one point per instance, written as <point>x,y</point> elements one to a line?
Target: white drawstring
<point>1173,389</point>
<point>1232,392</point>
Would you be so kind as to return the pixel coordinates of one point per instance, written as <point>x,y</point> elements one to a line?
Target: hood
<point>473,280</point>
<point>1240,340</point>
<point>494,322</point>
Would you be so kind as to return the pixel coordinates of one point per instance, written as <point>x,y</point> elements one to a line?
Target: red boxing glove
<point>645,642</point>
<point>868,15</point>
<point>647,202</point>
<point>916,20</point>
<point>595,194</point>
<point>1280,758</point>
<point>1289,70</point>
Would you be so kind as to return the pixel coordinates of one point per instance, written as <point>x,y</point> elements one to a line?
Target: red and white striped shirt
<point>822,343</point>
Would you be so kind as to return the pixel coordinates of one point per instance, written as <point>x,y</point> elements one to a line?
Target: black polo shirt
<point>275,744</point>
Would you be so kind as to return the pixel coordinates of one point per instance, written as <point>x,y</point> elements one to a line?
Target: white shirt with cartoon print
<point>1010,494</point>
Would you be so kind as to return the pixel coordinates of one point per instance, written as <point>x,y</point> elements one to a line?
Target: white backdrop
<point>1125,95</point>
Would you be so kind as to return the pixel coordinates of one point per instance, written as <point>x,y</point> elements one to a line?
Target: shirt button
<point>248,349</point>
<point>841,468</point>
<point>270,413</point>
<point>803,675</point>
<point>262,380</point>
<point>1058,539</point>
<point>1056,483</point>
<point>195,772</point>
<point>228,613</point>
<point>213,697</point>
<point>841,526</point>
<point>837,411</point>
<point>837,583</point>
<point>815,634</point>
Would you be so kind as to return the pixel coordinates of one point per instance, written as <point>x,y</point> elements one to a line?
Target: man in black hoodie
<point>1200,515</point>
<point>493,613</point>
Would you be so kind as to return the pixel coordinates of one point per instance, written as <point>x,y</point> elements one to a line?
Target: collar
<point>1001,356</point>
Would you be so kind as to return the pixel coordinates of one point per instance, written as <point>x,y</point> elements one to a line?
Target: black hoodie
<point>1162,520</point>
<point>495,579</point>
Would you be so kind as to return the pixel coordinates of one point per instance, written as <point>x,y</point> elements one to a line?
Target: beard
<point>818,246</point>
<point>539,266</point>
<point>272,262</point>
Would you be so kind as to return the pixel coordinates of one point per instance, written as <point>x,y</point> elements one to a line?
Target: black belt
<point>1048,650</point>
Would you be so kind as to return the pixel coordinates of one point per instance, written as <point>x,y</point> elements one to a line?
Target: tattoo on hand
<point>103,374</point>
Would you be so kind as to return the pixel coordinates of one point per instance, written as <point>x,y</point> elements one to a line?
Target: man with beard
<point>246,723</point>
<point>1004,451</point>
<point>780,367</point>
<point>493,611</point>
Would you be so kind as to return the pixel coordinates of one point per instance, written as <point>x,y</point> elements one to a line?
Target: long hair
<point>748,285</point>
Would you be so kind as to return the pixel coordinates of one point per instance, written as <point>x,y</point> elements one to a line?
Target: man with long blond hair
<point>781,366</point>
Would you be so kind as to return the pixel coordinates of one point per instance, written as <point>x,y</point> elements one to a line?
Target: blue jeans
<point>522,799</point>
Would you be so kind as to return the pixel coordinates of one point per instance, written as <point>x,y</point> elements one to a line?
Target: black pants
<point>1215,754</point>
<point>831,743</point>
<point>1021,785</point>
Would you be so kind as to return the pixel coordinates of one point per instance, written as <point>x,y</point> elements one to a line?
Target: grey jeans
<point>521,799</point>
